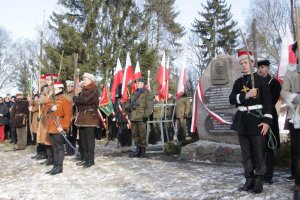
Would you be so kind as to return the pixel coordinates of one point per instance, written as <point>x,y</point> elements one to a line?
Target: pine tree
<point>99,31</point>
<point>216,28</point>
<point>163,31</point>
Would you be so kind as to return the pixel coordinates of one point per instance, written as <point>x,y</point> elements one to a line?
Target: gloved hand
<point>296,100</point>
<point>145,119</point>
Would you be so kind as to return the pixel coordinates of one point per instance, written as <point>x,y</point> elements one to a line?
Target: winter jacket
<point>87,103</point>
<point>62,115</point>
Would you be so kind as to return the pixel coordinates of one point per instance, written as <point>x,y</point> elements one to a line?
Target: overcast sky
<point>23,17</point>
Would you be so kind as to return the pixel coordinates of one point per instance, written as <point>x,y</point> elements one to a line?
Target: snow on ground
<point>116,176</point>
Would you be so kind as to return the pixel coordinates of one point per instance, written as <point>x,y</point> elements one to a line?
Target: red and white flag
<point>127,78</point>
<point>287,55</point>
<point>194,113</point>
<point>182,80</point>
<point>137,74</point>
<point>117,82</point>
<point>161,79</point>
<point>101,118</point>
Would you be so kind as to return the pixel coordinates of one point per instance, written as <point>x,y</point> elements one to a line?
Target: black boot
<point>57,170</point>
<point>143,152</point>
<point>137,153</point>
<point>40,157</point>
<point>49,162</point>
<point>297,193</point>
<point>35,156</point>
<point>48,172</point>
<point>89,163</point>
<point>81,163</point>
<point>249,184</point>
<point>258,186</point>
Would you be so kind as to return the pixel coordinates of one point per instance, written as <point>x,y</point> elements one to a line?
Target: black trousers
<point>270,162</point>
<point>13,134</point>
<point>57,141</point>
<point>49,152</point>
<point>41,149</point>
<point>253,154</point>
<point>87,139</point>
<point>295,153</point>
<point>72,137</point>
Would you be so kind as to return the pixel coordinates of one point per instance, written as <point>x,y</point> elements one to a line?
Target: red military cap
<point>243,55</point>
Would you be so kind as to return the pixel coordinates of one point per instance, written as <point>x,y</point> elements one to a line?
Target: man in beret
<point>272,141</point>
<point>140,106</point>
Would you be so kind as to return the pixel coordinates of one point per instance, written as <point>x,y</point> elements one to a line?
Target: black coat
<point>4,112</point>
<point>244,122</point>
<point>275,89</point>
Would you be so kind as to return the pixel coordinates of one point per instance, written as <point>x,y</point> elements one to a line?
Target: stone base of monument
<point>212,152</point>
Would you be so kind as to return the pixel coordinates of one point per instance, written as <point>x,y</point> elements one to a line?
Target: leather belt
<point>246,108</point>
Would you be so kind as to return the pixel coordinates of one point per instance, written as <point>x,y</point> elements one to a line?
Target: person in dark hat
<point>290,95</point>
<point>140,107</point>
<point>19,116</point>
<point>272,139</point>
<point>251,121</point>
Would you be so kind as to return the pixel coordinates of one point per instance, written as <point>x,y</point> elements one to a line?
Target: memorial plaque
<point>219,71</point>
<point>217,82</point>
<point>218,98</point>
<point>212,126</point>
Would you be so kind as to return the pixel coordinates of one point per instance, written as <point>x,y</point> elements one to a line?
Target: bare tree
<point>7,67</point>
<point>26,61</point>
<point>272,17</point>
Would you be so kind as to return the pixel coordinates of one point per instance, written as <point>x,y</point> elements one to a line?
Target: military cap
<point>140,80</point>
<point>263,62</point>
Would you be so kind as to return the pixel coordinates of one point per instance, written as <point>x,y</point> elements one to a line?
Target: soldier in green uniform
<point>182,111</point>
<point>140,106</point>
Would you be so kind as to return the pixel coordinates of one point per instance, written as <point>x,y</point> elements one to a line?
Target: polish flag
<point>161,77</point>
<point>182,80</point>
<point>194,113</point>
<point>167,78</point>
<point>117,82</point>
<point>127,78</point>
<point>287,55</point>
<point>137,74</point>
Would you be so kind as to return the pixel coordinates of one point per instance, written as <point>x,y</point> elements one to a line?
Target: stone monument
<point>218,143</point>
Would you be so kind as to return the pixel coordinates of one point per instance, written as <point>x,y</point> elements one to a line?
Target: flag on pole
<point>105,103</point>
<point>137,74</point>
<point>194,113</point>
<point>161,78</point>
<point>127,78</point>
<point>117,82</point>
<point>182,80</point>
<point>167,79</point>
<point>287,55</point>
<point>101,118</point>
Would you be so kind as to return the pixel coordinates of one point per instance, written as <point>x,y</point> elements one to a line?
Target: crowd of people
<point>64,121</point>
<point>59,120</point>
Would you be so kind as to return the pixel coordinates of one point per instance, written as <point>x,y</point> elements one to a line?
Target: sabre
<point>66,139</point>
<point>249,60</point>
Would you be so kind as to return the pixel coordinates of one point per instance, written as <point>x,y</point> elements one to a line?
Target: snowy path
<point>116,176</point>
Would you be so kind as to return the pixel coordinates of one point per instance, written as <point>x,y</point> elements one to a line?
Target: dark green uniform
<point>182,111</point>
<point>141,103</point>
